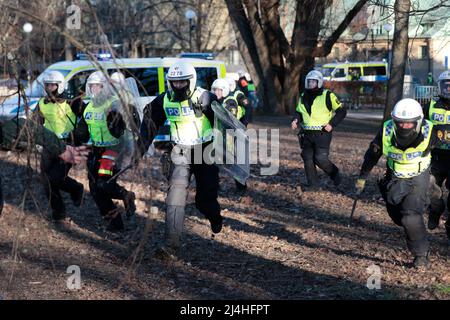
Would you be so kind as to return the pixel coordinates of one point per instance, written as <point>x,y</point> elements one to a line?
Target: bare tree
<point>279,65</point>
<point>399,55</point>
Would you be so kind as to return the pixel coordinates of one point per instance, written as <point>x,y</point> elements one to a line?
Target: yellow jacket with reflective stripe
<point>412,161</point>
<point>320,114</point>
<point>241,109</point>
<point>95,118</point>
<point>58,117</point>
<point>440,118</point>
<point>185,127</point>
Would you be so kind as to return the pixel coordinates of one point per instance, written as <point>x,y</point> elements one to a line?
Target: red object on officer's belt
<point>107,162</point>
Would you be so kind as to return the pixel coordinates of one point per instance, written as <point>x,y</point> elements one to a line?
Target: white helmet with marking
<point>314,75</point>
<point>231,84</point>
<point>105,92</point>
<point>54,77</point>
<point>407,110</point>
<point>182,70</point>
<point>223,85</point>
<point>444,84</point>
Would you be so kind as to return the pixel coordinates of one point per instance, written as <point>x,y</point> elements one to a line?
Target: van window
<point>146,80</point>
<point>339,73</point>
<point>77,84</point>
<point>205,77</point>
<point>327,72</point>
<point>374,71</point>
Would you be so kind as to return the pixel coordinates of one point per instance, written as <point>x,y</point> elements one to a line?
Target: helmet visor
<point>312,84</point>
<point>444,88</point>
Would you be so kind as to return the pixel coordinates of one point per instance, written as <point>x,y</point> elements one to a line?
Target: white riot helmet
<point>118,79</point>
<point>100,96</point>
<point>231,84</point>
<point>444,85</point>
<point>223,85</point>
<point>407,110</point>
<point>314,75</point>
<point>54,77</point>
<point>182,70</point>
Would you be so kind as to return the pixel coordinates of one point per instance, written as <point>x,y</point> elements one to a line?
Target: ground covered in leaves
<point>278,241</point>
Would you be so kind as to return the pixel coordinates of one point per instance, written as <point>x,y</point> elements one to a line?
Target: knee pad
<point>107,163</point>
<point>321,157</point>
<point>414,224</point>
<point>307,154</point>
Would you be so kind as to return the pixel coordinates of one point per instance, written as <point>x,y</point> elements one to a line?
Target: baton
<point>119,173</point>
<point>353,211</point>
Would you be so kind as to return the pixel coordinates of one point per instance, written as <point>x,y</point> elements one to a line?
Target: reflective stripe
<point>105,143</point>
<point>320,114</point>
<point>185,127</point>
<point>105,172</point>
<point>161,84</point>
<point>312,127</point>
<point>108,157</point>
<point>412,161</point>
<point>58,117</point>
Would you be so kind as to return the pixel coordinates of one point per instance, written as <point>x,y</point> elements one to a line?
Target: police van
<point>150,75</point>
<point>357,71</point>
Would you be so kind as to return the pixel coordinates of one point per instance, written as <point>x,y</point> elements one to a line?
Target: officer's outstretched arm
<point>372,155</point>
<point>205,100</point>
<point>154,117</point>
<point>19,130</point>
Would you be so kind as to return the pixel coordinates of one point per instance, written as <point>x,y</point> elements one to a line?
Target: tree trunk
<point>68,50</point>
<point>254,40</point>
<point>399,56</point>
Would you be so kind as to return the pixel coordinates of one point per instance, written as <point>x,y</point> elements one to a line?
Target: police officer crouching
<point>58,117</point>
<point>406,141</point>
<point>314,116</point>
<point>438,112</point>
<point>191,129</point>
<point>53,148</point>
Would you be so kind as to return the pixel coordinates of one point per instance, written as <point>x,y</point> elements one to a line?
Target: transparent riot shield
<point>231,144</point>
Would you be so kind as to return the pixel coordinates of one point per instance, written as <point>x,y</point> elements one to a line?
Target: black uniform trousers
<point>315,147</point>
<point>207,185</point>
<point>440,173</point>
<point>55,179</point>
<point>103,191</point>
<point>406,201</point>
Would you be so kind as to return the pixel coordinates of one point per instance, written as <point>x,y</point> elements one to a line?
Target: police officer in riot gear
<point>58,117</point>
<point>191,129</point>
<point>54,149</point>
<point>438,112</point>
<point>314,116</point>
<point>406,140</point>
<point>106,127</point>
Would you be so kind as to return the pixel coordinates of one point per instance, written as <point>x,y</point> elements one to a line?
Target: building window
<point>423,52</point>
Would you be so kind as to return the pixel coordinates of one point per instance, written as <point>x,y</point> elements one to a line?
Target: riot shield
<point>231,144</point>
<point>128,93</point>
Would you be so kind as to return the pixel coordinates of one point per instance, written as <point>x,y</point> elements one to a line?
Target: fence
<point>424,94</point>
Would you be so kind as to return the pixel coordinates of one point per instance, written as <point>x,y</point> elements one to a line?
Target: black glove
<point>198,110</point>
<point>233,110</point>
<point>116,125</point>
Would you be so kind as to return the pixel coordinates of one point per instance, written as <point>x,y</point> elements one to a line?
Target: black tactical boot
<point>77,197</point>
<point>129,204</point>
<point>216,223</point>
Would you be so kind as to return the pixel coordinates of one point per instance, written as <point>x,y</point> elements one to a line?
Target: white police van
<point>150,74</point>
